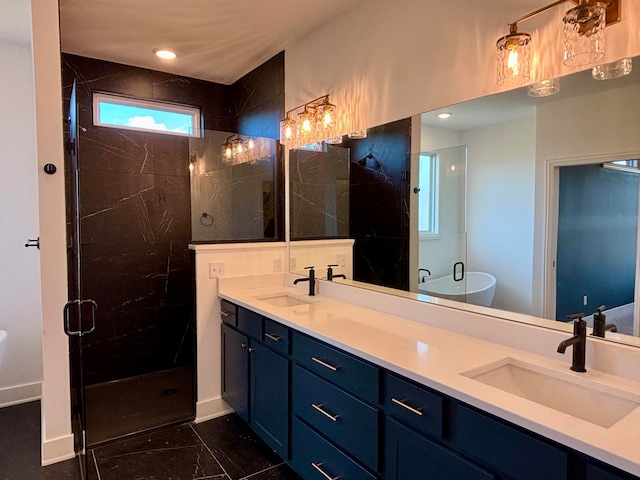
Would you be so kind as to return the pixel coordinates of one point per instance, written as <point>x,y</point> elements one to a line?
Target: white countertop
<point>436,358</point>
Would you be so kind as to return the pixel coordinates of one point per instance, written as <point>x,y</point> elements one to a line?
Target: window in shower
<point>129,113</point>
<point>428,205</point>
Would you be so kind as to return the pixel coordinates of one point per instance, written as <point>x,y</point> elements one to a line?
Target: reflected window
<point>428,208</point>
<point>128,113</point>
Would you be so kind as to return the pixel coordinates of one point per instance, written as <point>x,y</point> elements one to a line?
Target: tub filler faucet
<point>578,341</point>
<point>421,278</point>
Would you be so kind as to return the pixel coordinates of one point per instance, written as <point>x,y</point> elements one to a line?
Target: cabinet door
<point>270,397</point>
<point>410,456</point>
<point>235,371</point>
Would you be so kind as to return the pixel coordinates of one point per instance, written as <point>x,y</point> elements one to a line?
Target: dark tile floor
<point>223,448</point>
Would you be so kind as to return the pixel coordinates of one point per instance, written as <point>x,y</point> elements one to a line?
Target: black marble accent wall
<point>259,99</point>
<point>379,204</point>
<point>135,211</point>
<point>319,193</point>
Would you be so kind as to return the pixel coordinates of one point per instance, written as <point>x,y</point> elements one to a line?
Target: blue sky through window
<point>145,118</point>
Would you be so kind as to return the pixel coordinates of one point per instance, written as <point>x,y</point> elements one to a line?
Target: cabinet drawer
<point>410,456</point>
<point>508,451</point>
<point>345,420</point>
<point>250,323</point>
<point>228,313</point>
<point>349,372</point>
<point>276,336</point>
<point>414,405</point>
<point>316,459</point>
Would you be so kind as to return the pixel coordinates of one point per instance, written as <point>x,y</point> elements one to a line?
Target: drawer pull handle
<point>324,364</point>
<point>273,337</point>
<point>324,412</point>
<point>324,474</point>
<point>417,411</point>
<point>225,314</point>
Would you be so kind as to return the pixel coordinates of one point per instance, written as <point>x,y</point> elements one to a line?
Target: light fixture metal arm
<point>323,97</point>
<point>513,26</point>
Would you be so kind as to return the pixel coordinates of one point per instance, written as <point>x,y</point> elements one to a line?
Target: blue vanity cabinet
<point>269,388</point>
<point>411,456</point>
<point>235,370</point>
<point>597,473</point>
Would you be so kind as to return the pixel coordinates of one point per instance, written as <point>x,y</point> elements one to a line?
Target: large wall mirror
<point>521,207</point>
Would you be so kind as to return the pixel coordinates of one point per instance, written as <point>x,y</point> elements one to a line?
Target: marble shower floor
<point>223,448</point>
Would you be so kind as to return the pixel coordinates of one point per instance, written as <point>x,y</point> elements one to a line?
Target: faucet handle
<point>575,316</point>
<point>333,265</point>
<point>309,268</point>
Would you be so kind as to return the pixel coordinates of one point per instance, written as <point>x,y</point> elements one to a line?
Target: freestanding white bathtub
<point>477,288</point>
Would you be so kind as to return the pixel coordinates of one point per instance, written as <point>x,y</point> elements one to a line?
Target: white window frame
<point>102,97</point>
<point>432,202</point>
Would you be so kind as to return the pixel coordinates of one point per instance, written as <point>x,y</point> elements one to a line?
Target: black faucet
<point>331,276</point>
<point>311,279</point>
<point>579,342</point>
<point>600,325</point>
<point>422,277</point>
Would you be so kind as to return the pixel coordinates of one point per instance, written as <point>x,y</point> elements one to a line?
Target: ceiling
<point>216,40</point>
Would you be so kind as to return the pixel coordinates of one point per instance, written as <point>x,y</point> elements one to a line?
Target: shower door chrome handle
<point>66,312</point>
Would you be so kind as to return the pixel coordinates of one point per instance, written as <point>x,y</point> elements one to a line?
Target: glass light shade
<point>326,115</point>
<point>334,140</point>
<point>288,130</point>
<point>306,124</point>
<point>358,134</point>
<point>584,34</point>
<point>544,88</point>
<point>513,59</point>
<point>612,70</point>
<point>227,151</point>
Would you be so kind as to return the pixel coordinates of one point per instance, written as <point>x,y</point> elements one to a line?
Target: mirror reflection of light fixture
<point>334,140</point>
<point>544,88</point>
<point>358,134</point>
<point>583,28</point>
<point>237,149</point>
<point>612,70</point>
<point>315,122</point>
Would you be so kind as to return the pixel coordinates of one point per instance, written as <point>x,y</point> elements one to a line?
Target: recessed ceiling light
<point>164,53</point>
<point>444,115</point>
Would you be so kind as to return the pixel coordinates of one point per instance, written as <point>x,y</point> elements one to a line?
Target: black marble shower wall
<point>379,204</point>
<point>135,209</point>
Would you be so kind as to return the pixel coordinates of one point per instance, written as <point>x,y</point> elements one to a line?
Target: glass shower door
<point>442,236</point>
<point>79,313</point>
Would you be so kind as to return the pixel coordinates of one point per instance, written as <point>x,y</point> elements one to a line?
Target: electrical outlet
<point>216,269</point>
<point>584,300</point>
<point>341,259</point>
<point>277,265</point>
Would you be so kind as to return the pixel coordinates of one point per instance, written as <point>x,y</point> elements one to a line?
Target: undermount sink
<point>580,398</point>
<point>283,300</point>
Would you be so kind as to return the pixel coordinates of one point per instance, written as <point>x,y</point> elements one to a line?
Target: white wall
<point>500,200</point>
<point>382,61</point>
<point>240,259</point>
<point>57,440</point>
<point>21,315</point>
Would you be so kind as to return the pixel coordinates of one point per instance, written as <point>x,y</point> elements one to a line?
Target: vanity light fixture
<point>164,53</point>
<point>544,88</point>
<point>612,70</point>
<point>583,28</point>
<point>315,120</point>
<point>337,140</point>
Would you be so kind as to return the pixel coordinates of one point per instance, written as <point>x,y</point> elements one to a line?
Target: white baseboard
<point>211,408</point>
<point>56,450</point>
<point>20,394</point>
